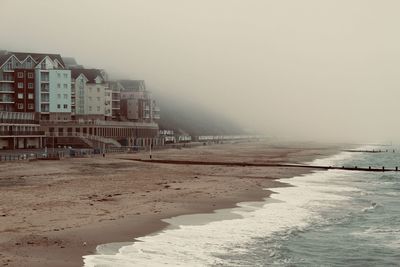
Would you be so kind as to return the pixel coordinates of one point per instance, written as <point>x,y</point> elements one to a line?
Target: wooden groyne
<point>369,151</point>
<point>280,165</point>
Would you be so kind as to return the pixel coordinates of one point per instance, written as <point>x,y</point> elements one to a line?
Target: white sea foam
<point>198,245</point>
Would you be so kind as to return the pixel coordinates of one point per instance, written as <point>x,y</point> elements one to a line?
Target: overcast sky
<point>315,69</point>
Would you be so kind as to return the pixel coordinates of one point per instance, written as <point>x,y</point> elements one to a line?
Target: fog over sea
<point>327,218</point>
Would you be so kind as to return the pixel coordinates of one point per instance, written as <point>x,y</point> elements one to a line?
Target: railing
<point>19,133</point>
<point>99,123</point>
<point>7,79</point>
<point>18,121</point>
<point>85,135</point>
<point>6,87</point>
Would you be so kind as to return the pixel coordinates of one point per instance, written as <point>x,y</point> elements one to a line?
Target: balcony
<point>6,88</point>
<point>21,133</point>
<point>6,100</point>
<point>44,88</point>
<point>6,77</point>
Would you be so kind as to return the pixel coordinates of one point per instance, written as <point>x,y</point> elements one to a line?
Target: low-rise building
<point>19,130</point>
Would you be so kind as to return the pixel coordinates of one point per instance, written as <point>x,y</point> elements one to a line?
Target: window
<point>20,106</point>
<point>9,65</point>
<point>65,86</point>
<point>58,75</point>
<point>20,75</point>
<point>90,108</point>
<point>98,90</point>
<point>58,85</point>
<point>58,106</point>
<point>20,85</point>
<point>65,76</point>
<point>30,75</point>
<point>59,96</point>
<point>30,106</point>
<point>30,96</point>
<point>20,96</point>
<point>30,85</point>
<point>98,108</point>
<point>65,106</point>
<point>65,96</point>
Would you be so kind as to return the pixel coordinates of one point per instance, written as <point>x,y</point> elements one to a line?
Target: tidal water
<point>327,218</point>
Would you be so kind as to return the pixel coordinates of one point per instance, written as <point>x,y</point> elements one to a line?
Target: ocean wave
<point>293,211</point>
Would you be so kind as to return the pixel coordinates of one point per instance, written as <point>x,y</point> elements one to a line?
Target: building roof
<point>90,74</point>
<point>38,57</point>
<point>70,61</point>
<point>3,57</point>
<point>133,85</point>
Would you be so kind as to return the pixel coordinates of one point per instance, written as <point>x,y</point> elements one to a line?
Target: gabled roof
<point>21,56</point>
<point>71,63</point>
<point>4,57</point>
<point>90,74</point>
<point>133,85</point>
<point>38,57</point>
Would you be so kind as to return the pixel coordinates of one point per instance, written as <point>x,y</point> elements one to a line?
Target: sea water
<point>327,218</point>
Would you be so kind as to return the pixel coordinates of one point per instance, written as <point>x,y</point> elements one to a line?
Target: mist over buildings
<point>310,69</point>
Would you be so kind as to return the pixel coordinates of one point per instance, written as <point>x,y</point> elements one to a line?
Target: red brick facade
<point>24,88</point>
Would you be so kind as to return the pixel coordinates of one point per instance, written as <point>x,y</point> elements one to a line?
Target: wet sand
<point>54,212</point>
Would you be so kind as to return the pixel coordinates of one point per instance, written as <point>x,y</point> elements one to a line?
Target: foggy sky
<point>314,69</point>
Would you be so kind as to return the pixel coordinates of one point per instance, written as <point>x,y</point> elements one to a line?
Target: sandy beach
<point>54,212</point>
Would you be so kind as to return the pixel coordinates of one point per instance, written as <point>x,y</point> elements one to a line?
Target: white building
<point>91,96</point>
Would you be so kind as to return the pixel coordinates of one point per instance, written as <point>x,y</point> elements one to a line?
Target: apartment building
<point>17,83</point>
<point>136,102</point>
<point>33,82</point>
<point>91,95</point>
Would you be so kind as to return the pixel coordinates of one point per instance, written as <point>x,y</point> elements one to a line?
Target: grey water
<point>364,230</point>
<point>327,218</point>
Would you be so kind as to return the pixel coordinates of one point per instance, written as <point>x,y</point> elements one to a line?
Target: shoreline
<point>204,191</point>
